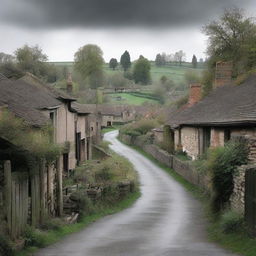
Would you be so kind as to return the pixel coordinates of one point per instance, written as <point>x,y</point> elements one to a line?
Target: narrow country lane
<point>166,220</point>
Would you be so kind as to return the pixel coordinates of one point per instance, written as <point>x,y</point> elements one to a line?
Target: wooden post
<point>59,188</point>
<point>42,189</point>
<point>50,197</point>
<point>8,192</point>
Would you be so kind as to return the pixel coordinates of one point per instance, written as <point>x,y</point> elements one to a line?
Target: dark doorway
<point>206,139</point>
<point>65,162</point>
<point>88,148</point>
<point>78,147</point>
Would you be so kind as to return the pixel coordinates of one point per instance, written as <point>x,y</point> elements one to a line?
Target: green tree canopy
<point>194,61</point>
<point>141,71</point>
<point>89,63</point>
<point>32,59</point>
<point>125,60</point>
<point>231,38</point>
<point>161,59</point>
<point>113,63</point>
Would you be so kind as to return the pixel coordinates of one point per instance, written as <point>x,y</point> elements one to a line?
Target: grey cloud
<point>88,13</point>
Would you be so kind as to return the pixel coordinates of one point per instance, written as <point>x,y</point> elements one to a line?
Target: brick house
<point>110,114</point>
<point>229,110</point>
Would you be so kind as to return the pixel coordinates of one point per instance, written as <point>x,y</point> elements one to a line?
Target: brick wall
<point>194,94</point>
<point>223,73</point>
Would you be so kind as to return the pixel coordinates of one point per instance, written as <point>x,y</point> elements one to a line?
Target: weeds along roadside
<point>119,190</point>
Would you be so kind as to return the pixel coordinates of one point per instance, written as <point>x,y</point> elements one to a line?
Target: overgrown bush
<point>181,101</point>
<point>36,142</point>
<point>6,248</point>
<point>231,222</point>
<point>54,224</point>
<point>35,237</point>
<point>140,127</point>
<point>222,163</point>
<point>85,204</point>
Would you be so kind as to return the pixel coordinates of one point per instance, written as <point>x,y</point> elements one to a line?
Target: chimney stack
<point>223,73</point>
<point>194,94</point>
<point>69,83</point>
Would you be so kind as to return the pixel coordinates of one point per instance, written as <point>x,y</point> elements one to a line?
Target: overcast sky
<point>144,27</point>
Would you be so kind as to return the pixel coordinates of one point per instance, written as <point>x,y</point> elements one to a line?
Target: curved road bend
<point>165,221</point>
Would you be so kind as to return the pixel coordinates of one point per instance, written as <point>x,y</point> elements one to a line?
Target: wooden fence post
<point>59,188</point>
<point>42,168</point>
<point>8,192</point>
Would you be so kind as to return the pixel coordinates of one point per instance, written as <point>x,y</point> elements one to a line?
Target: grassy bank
<point>54,236</point>
<point>127,98</point>
<point>117,180</point>
<point>238,242</point>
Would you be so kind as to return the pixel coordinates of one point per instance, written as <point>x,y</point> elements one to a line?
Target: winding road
<point>165,221</point>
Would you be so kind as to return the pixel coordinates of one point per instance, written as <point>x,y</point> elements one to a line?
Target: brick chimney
<point>194,94</point>
<point>223,73</point>
<point>69,83</point>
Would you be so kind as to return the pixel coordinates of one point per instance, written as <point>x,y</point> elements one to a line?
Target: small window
<point>52,117</point>
<point>91,128</point>
<point>227,135</point>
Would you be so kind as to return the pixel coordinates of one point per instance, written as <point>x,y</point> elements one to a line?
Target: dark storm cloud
<point>63,13</point>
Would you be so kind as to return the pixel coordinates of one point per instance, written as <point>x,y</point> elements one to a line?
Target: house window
<point>227,135</point>
<point>206,139</point>
<point>53,123</point>
<point>52,117</point>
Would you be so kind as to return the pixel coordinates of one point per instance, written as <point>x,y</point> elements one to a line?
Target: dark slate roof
<point>104,109</point>
<point>16,100</point>
<point>228,105</point>
<point>33,80</point>
<point>84,108</point>
<point>25,97</point>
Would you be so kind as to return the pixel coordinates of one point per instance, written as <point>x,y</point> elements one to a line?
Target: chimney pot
<point>69,83</point>
<point>194,94</point>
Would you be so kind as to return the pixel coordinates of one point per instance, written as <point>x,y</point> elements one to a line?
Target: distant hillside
<point>172,71</point>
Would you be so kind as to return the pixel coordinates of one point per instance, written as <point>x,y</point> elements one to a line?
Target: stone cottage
<point>229,110</point>
<point>39,105</point>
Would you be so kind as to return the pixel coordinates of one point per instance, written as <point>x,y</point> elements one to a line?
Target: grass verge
<point>238,242</point>
<point>53,236</point>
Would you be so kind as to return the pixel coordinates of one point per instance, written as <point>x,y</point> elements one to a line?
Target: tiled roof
<point>25,97</point>
<point>227,105</point>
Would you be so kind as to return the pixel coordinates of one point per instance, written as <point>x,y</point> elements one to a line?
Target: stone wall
<point>189,141</point>
<point>237,197</point>
<point>183,168</point>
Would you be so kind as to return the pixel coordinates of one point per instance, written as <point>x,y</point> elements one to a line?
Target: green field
<point>129,99</point>
<point>174,72</point>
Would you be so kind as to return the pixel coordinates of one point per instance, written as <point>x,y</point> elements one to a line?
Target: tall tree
<point>89,63</point>
<point>5,58</point>
<point>125,60</point>
<point>32,59</point>
<point>158,60</point>
<point>141,71</point>
<point>194,61</point>
<point>179,57</point>
<point>231,38</point>
<point>113,63</point>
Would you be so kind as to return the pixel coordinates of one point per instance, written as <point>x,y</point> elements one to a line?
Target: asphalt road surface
<point>165,220</point>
